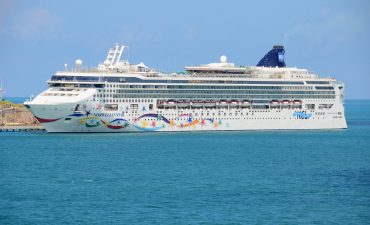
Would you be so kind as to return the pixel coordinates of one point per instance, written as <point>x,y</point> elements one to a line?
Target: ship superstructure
<point>121,97</point>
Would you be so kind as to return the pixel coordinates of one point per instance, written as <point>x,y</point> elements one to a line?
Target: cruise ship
<point>117,96</point>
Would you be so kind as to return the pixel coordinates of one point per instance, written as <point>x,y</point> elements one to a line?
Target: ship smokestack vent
<point>274,58</point>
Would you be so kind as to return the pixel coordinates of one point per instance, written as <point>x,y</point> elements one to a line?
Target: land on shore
<point>16,115</point>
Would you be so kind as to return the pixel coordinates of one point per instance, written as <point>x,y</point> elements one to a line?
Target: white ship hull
<point>179,120</point>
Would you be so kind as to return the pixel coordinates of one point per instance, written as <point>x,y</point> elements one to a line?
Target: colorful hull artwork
<point>94,121</point>
<point>302,115</point>
<point>43,120</point>
<point>144,123</point>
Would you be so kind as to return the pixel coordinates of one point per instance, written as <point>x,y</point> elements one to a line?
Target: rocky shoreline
<point>14,115</point>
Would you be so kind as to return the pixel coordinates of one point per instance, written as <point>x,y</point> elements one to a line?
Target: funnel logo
<point>281,57</point>
<point>302,115</point>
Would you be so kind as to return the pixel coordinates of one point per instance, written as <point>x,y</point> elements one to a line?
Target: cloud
<point>35,23</point>
<point>130,34</point>
<point>295,31</point>
<point>191,32</point>
<point>339,28</point>
<point>4,8</point>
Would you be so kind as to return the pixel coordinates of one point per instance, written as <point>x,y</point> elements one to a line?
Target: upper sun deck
<point>226,69</point>
<point>271,66</point>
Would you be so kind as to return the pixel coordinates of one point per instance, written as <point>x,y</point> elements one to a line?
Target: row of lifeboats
<point>286,103</point>
<point>201,103</point>
<point>223,103</point>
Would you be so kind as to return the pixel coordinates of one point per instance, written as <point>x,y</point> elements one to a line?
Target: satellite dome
<point>223,59</point>
<point>106,62</point>
<point>78,62</point>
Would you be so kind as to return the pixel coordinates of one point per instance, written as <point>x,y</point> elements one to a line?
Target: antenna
<point>1,91</point>
<point>114,55</point>
<point>128,54</point>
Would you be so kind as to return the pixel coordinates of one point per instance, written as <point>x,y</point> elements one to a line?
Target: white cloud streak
<point>338,28</point>
<point>35,23</point>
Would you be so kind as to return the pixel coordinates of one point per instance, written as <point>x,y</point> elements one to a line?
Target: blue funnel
<point>274,58</point>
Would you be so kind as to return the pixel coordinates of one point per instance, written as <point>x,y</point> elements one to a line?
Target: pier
<point>22,129</point>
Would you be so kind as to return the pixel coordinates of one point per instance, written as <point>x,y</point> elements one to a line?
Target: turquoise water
<point>290,177</point>
<point>15,99</point>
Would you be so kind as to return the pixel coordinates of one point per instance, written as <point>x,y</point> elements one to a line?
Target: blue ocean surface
<point>17,100</point>
<point>265,177</point>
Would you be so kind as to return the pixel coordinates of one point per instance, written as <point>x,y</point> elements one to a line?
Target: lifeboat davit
<point>160,104</point>
<point>183,104</point>
<point>170,103</point>
<point>209,104</point>
<point>274,103</point>
<point>286,103</point>
<point>297,103</point>
<point>245,103</point>
<point>196,103</point>
<point>222,103</point>
<point>233,103</point>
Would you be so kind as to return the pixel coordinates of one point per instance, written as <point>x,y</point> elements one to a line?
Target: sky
<point>331,38</point>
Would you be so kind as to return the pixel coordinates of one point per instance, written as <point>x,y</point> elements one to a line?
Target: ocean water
<point>269,177</point>
<point>17,100</point>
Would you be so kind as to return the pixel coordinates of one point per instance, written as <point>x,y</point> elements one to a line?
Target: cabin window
<point>310,106</point>
<point>134,107</point>
<point>111,107</point>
